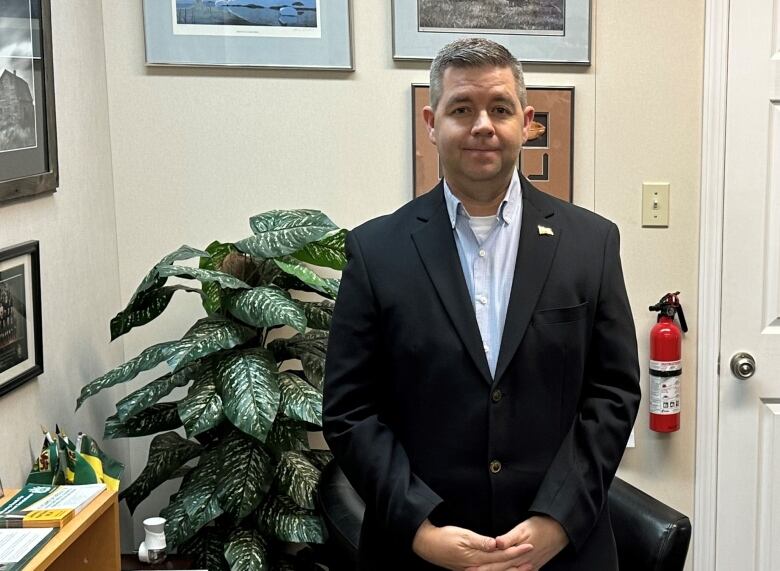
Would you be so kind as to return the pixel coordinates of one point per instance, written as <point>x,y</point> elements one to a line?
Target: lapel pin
<point>545,231</point>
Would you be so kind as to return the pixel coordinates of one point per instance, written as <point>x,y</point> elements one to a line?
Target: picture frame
<point>21,340</point>
<point>546,160</point>
<point>28,132</point>
<point>300,34</point>
<point>535,31</point>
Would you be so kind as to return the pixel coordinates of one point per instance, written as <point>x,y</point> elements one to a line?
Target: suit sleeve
<point>574,489</point>
<point>367,450</point>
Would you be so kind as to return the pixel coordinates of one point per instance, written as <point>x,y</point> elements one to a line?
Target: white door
<point>748,507</point>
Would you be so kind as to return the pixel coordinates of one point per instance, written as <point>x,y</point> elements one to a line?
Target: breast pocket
<point>561,314</point>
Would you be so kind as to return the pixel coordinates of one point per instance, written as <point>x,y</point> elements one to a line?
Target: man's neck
<point>478,200</point>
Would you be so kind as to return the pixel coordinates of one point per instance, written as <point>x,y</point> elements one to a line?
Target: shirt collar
<point>507,211</point>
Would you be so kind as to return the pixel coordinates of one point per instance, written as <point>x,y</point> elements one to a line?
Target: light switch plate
<point>655,204</point>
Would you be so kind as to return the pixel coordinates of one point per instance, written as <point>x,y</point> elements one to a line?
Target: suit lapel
<point>535,254</point>
<point>435,243</point>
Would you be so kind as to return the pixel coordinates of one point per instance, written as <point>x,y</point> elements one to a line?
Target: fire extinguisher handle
<point>681,315</point>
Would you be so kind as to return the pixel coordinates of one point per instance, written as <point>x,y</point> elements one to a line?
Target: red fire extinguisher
<point>666,364</point>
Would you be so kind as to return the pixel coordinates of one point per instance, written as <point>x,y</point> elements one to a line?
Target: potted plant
<point>248,475</point>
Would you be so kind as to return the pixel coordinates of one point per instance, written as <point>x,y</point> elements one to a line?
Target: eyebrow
<point>466,99</point>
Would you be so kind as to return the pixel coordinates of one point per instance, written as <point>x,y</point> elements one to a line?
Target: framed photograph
<point>546,159</point>
<point>28,135</point>
<point>21,341</point>
<point>305,34</point>
<point>535,31</point>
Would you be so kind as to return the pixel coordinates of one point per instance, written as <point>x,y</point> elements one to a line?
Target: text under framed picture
<point>546,160</point>
<point>535,31</point>
<point>305,34</point>
<point>21,341</point>
<point>28,135</point>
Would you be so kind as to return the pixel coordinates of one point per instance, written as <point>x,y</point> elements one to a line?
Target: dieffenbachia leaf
<point>328,252</point>
<point>179,527</point>
<point>280,516</point>
<point>153,279</point>
<point>300,401</point>
<point>167,453</point>
<point>286,434</point>
<point>149,394</point>
<point>156,418</point>
<point>201,409</point>
<point>204,276</point>
<point>320,458</point>
<point>249,386</point>
<point>198,492</point>
<point>246,550</point>
<point>207,548</point>
<point>206,336</point>
<point>266,307</point>
<point>280,232</point>
<point>310,348</point>
<point>212,293</point>
<point>145,307</point>
<point>328,287</point>
<point>297,478</point>
<point>246,474</point>
<point>318,314</point>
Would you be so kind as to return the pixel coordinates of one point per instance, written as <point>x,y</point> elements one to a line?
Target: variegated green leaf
<point>201,409</point>
<point>207,336</point>
<point>250,391</point>
<point>281,232</point>
<point>286,434</point>
<point>144,308</point>
<point>328,287</point>
<point>205,276</point>
<point>246,474</point>
<point>149,394</point>
<point>198,492</point>
<point>267,307</point>
<point>167,453</point>
<point>246,550</point>
<point>320,458</point>
<point>300,401</point>
<point>212,293</point>
<point>156,418</point>
<point>178,525</point>
<point>310,348</point>
<point>318,315</point>
<point>207,549</point>
<point>297,478</point>
<point>280,516</point>
<point>153,280</point>
<point>328,252</point>
<point>148,359</point>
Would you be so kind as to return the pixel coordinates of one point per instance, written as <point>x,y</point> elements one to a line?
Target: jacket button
<point>495,466</point>
<point>497,395</point>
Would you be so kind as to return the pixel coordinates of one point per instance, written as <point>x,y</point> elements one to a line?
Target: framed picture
<point>538,31</point>
<point>28,135</point>
<point>306,34</point>
<point>21,343</point>
<point>546,159</point>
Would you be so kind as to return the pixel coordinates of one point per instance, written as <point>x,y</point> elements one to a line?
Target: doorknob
<point>743,365</point>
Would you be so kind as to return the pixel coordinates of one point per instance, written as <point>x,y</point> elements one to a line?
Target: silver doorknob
<point>743,365</point>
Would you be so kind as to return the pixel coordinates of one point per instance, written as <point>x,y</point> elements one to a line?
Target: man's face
<point>479,126</point>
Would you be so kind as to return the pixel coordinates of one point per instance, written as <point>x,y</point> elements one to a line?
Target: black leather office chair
<point>650,535</point>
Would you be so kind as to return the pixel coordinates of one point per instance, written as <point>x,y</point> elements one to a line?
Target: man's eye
<point>502,110</point>
<point>459,110</point>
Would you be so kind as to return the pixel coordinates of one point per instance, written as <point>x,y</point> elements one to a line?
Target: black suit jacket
<point>415,419</point>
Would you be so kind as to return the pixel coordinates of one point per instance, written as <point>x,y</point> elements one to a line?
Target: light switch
<point>655,204</point>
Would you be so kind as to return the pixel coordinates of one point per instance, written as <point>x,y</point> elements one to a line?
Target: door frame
<point>713,165</point>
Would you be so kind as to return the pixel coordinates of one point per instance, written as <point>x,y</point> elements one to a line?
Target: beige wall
<point>195,152</point>
<point>77,234</point>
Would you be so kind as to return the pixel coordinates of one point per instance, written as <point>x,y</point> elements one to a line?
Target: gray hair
<point>474,52</point>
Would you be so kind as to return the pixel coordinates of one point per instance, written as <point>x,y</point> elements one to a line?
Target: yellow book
<point>48,518</point>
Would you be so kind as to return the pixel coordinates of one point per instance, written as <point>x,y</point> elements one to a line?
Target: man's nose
<point>482,125</point>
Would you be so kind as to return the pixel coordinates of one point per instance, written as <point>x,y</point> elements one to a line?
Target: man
<point>482,377</point>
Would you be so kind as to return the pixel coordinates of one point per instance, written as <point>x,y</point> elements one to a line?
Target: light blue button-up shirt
<point>489,264</point>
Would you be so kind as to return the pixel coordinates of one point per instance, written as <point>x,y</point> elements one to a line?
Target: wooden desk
<point>89,542</point>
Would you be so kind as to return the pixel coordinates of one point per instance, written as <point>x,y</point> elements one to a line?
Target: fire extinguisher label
<point>665,366</point>
<point>664,395</point>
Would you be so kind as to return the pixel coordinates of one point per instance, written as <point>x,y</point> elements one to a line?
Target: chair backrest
<point>650,535</point>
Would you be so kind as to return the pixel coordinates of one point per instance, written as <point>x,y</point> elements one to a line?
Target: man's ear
<point>428,117</point>
<point>528,116</point>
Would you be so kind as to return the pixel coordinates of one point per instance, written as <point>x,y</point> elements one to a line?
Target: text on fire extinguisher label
<point>665,387</point>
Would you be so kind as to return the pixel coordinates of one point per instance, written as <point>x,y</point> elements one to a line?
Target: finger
<point>480,542</point>
<point>517,535</point>
<point>521,564</point>
<point>481,560</point>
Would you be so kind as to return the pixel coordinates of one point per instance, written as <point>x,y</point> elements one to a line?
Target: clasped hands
<point>526,547</point>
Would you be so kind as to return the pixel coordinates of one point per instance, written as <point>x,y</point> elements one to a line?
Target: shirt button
<point>497,395</point>
<point>482,253</point>
<point>482,299</point>
<point>495,466</point>
<point>486,348</point>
